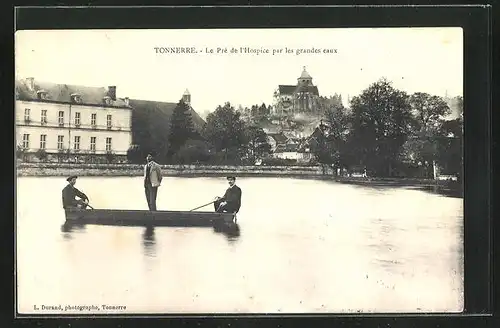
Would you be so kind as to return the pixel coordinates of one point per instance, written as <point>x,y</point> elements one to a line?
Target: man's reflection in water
<point>148,241</point>
<point>68,228</point>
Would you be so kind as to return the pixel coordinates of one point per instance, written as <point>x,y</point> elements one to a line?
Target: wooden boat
<point>148,218</point>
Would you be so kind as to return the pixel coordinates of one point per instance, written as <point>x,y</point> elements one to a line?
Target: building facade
<point>71,123</point>
<point>300,98</point>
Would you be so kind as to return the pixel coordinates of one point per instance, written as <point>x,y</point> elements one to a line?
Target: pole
<point>69,129</point>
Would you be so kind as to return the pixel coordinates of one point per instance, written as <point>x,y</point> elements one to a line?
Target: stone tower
<point>186,97</point>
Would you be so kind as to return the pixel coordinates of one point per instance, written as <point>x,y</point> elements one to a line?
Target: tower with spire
<point>186,97</point>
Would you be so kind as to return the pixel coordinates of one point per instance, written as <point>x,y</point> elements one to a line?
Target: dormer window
<point>41,94</point>
<point>76,98</point>
<point>107,100</point>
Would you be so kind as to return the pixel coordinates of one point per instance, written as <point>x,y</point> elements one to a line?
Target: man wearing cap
<point>152,180</point>
<point>231,201</point>
<point>70,192</point>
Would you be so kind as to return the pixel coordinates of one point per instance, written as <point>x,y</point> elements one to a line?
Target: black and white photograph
<point>245,171</point>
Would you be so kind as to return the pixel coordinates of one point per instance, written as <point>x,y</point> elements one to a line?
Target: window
<point>108,144</point>
<point>61,118</point>
<point>43,119</point>
<point>60,142</point>
<point>93,119</point>
<point>26,141</point>
<point>108,122</point>
<point>77,119</point>
<point>92,144</point>
<point>43,141</point>
<point>77,143</point>
<point>27,112</point>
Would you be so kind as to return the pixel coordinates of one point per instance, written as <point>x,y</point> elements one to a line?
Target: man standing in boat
<point>70,193</point>
<point>152,180</point>
<point>231,201</point>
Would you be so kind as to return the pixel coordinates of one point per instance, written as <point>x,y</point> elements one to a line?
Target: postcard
<point>239,171</point>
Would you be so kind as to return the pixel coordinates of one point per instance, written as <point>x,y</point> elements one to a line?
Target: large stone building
<point>70,122</point>
<point>300,98</point>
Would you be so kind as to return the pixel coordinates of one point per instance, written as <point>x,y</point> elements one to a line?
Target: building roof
<point>61,93</point>
<point>278,137</point>
<point>305,75</point>
<point>162,111</point>
<point>307,88</point>
<point>292,89</point>
<point>282,148</point>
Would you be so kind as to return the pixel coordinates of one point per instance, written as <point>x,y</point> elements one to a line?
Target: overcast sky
<point>427,60</point>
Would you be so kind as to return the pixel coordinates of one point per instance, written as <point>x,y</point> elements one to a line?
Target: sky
<point>414,59</point>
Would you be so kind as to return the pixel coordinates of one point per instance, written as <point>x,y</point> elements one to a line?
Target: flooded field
<point>303,246</point>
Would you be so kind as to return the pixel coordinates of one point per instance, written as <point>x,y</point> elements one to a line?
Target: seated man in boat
<point>70,193</point>
<point>231,201</point>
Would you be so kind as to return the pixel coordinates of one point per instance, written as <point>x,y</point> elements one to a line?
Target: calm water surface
<point>303,246</point>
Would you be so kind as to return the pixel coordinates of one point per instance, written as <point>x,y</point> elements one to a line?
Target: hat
<point>231,178</point>
<point>71,177</point>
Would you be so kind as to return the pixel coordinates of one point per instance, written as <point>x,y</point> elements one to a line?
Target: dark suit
<point>233,199</point>
<point>68,197</point>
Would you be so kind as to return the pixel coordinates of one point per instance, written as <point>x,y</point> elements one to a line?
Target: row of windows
<point>43,119</point>
<point>60,142</point>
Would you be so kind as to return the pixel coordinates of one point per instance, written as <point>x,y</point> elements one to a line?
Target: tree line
<point>388,132</point>
<point>385,131</point>
<point>225,138</point>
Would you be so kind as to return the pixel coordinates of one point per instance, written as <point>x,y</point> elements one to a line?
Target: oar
<point>88,205</point>
<point>202,206</point>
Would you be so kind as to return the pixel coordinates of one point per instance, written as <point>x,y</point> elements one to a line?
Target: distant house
<point>287,151</point>
<point>304,153</point>
<point>276,139</point>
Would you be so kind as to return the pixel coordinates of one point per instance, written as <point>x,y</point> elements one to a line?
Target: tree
<point>21,152</point>
<point>449,153</point>
<point>257,143</point>
<point>225,131</point>
<point>193,151</point>
<point>135,154</point>
<point>62,155</point>
<point>422,145</point>
<point>428,111</point>
<point>110,157</point>
<point>337,133</point>
<point>181,127</point>
<point>381,122</point>
<point>41,154</point>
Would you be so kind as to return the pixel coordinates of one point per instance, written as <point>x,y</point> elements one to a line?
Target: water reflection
<point>454,189</point>
<point>69,227</point>
<point>232,233</point>
<point>149,242</point>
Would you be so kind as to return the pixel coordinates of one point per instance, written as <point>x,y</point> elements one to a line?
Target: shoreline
<point>133,170</point>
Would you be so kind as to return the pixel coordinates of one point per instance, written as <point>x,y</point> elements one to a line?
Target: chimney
<point>127,101</point>
<point>30,81</point>
<point>112,92</point>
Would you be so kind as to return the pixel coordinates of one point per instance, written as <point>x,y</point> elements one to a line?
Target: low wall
<point>55,169</point>
<point>318,172</point>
